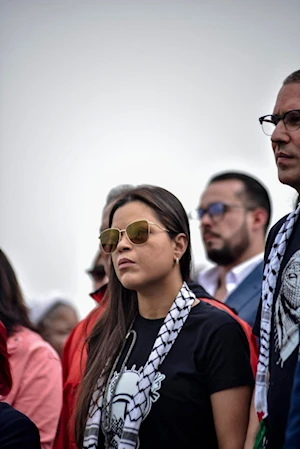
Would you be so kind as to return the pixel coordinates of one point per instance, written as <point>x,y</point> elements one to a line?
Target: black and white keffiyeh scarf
<point>166,337</point>
<point>270,276</point>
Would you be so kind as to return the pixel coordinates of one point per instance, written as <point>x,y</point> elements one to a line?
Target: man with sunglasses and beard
<point>234,214</point>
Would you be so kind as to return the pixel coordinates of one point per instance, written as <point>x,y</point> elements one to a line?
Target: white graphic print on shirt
<point>287,309</point>
<point>126,389</point>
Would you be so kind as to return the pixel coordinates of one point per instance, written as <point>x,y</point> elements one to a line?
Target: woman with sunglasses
<point>164,369</point>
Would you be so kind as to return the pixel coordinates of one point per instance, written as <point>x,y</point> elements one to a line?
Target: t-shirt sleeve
<point>228,359</point>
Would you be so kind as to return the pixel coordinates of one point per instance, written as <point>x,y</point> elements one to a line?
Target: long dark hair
<point>109,332</point>
<point>13,311</point>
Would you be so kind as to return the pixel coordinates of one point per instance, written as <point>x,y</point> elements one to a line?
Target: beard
<point>230,252</point>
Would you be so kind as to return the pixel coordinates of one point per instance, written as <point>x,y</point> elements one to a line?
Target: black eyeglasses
<point>215,211</point>
<point>291,120</point>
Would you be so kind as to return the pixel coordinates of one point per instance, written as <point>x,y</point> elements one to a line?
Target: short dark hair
<point>255,192</point>
<point>292,78</point>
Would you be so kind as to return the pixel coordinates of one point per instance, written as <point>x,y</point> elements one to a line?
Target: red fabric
<point>73,362</point>
<point>252,340</point>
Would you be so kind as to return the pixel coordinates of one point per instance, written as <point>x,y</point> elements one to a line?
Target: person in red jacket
<point>75,352</point>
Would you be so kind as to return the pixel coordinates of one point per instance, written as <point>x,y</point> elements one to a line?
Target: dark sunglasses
<point>136,232</point>
<point>215,211</point>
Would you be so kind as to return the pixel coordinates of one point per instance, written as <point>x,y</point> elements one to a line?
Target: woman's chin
<point>128,281</point>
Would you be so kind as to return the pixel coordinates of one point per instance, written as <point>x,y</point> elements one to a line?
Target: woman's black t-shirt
<point>210,354</point>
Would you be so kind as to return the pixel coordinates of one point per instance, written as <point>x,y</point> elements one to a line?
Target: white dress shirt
<point>209,278</point>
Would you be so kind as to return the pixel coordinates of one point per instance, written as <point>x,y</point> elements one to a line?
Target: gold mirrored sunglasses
<point>136,232</point>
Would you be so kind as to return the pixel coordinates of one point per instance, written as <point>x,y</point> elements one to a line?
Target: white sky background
<point>98,93</point>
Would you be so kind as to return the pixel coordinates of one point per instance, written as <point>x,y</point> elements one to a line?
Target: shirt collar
<point>209,277</point>
<point>241,271</point>
<point>98,295</point>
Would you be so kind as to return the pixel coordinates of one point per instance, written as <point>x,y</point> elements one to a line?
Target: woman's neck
<point>155,302</point>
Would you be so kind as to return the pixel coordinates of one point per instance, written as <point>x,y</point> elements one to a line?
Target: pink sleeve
<point>40,391</point>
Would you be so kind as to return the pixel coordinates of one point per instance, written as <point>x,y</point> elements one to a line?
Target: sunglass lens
<point>138,232</point>
<point>109,240</point>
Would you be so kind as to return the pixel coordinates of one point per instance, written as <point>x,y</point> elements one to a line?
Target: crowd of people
<point>167,359</point>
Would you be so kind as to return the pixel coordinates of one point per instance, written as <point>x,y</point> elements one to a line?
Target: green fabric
<point>260,437</point>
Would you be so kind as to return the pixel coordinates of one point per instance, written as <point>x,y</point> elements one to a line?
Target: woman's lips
<point>125,262</point>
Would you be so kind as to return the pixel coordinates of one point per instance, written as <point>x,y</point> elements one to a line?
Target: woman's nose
<point>124,242</point>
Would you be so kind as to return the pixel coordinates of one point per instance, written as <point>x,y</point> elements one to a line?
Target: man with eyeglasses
<point>278,318</point>
<point>234,215</point>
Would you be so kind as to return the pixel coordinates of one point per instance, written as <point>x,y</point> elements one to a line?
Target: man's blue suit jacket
<point>245,297</point>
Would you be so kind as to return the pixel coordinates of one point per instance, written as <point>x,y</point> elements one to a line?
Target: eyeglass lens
<point>214,210</point>
<point>291,121</point>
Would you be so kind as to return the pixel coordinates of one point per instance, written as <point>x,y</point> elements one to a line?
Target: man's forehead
<point>222,191</point>
<point>288,98</point>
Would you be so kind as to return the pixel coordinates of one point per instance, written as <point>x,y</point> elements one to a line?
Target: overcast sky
<point>98,93</point>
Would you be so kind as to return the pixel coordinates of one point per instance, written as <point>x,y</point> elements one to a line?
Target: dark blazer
<point>245,297</point>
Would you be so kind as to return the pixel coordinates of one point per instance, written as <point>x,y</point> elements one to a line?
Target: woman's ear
<point>180,245</point>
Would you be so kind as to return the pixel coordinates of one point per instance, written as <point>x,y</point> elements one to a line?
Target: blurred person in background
<point>54,317</point>
<point>74,353</point>
<point>35,365</point>
<point>97,273</point>
<point>234,214</point>
<point>17,431</point>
